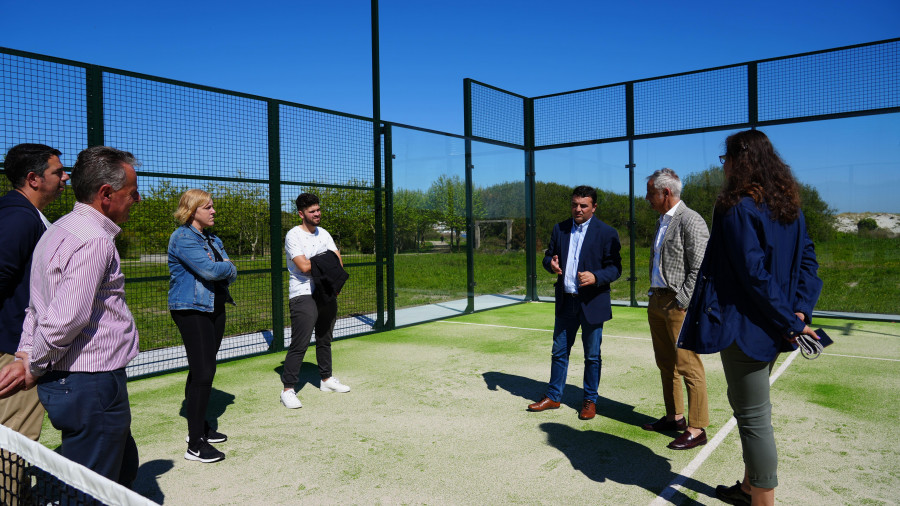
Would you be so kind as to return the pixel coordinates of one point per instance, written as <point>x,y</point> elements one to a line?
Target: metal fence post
<point>632,220</point>
<point>390,289</point>
<point>530,206</point>
<point>470,226</point>
<point>275,226</point>
<point>94,90</point>
<point>376,149</point>
<point>470,235</point>
<point>752,94</point>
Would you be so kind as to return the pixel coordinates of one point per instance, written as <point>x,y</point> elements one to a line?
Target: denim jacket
<point>194,270</point>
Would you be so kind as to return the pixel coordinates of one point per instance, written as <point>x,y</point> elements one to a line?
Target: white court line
<point>641,338</point>
<point>857,356</point>
<point>537,330</point>
<point>666,495</point>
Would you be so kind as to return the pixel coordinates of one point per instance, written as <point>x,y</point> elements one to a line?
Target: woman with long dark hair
<point>755,294</point>
<point>198,290</point>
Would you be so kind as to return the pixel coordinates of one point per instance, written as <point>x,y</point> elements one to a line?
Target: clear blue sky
<point>318,53</point>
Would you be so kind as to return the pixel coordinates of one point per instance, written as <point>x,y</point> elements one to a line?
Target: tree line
<point>244,224</point>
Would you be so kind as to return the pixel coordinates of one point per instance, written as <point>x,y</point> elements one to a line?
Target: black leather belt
<point>662,291</point>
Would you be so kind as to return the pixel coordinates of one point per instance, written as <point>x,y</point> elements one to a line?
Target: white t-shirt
<point>300,242</point>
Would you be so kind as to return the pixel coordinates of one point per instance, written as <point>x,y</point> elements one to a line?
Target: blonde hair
<point>190,201</point>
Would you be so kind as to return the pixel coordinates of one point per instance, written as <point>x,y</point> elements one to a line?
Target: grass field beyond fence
<point>860,275</point>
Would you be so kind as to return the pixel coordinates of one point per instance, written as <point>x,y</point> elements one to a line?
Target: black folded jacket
<point>328,276</point>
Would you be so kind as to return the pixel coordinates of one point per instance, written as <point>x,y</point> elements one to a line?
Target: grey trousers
<point>748,394</point>
<point>308,315</point>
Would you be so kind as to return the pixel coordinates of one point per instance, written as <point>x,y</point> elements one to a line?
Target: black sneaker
<point>204,452</point>
<point>733,494</point>
<point>211,436</point>
<point>214,436</point>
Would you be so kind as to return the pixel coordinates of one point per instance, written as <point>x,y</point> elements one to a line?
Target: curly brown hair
<point>757,171</point>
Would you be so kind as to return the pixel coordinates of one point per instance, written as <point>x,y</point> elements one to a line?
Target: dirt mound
<point>846,222</point>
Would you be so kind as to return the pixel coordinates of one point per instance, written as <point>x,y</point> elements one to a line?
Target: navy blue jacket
<point>755,275</point>
<point>599,255</point>
<point>20,229</point>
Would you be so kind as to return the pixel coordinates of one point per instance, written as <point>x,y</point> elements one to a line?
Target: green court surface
<point>437,415</point>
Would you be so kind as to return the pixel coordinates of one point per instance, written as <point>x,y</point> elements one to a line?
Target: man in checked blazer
<point>584,254</point>
<point>676,255</point>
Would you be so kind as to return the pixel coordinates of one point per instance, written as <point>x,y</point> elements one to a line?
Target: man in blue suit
<point>584,254</point>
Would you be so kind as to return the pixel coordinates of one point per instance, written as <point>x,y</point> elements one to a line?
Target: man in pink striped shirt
<point>79,334</point>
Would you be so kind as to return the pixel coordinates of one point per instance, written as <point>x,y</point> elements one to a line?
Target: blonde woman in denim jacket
<point>198,290</point>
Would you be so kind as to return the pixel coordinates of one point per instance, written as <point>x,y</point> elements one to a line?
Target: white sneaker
<point>333,385</point>
<point>290,400</point>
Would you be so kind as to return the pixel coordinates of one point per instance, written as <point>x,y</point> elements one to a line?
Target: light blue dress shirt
<point>576,238</point>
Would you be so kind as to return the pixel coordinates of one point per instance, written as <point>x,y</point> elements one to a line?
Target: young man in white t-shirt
<point>301,244</point>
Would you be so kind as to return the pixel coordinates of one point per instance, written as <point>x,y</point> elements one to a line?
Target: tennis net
<point>32,474</point>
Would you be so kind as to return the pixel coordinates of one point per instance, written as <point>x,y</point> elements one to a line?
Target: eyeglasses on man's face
<point>722,159</point>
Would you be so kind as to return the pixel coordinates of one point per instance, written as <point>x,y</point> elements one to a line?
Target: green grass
<point>860,275</point>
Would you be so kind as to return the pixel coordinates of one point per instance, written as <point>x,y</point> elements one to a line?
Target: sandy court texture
<point>437,415</point>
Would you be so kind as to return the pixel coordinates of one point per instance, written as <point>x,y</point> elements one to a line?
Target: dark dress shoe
<point>687,441</point>
<point>733,494</point>
<point>543,404</point>
<point>588,410</point>
<point>664,425</point>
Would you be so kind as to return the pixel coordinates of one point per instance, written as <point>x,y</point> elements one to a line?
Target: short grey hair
<point>666,178</point>
<point>97,166</point>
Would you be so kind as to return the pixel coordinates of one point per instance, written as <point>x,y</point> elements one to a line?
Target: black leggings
<point>202,335</point>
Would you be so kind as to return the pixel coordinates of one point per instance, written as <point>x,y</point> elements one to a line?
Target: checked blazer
<point>681,252</point>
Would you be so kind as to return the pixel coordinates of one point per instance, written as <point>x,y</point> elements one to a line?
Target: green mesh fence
<point>255,155</point>
<point>229,144</point>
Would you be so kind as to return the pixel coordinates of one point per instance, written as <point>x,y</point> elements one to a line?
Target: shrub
<point>866,224</point>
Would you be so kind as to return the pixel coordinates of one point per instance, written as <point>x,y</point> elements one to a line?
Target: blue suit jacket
<point>599,255</point>
<point>755,275</point>
<point>20,227</point>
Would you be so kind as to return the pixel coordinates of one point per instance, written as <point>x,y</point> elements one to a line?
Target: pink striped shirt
<point>77,319</point>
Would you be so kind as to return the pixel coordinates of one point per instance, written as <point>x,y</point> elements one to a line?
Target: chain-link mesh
<point>842,81</point>
<point>497,115</point>
<point>43,102</point>
<point>192,137</point>
<point>580,116</point>
<point>849,80</point>
<point>699,100</point>
<point>186,131</point>
<point>325,148</point>
<point>331,156</point>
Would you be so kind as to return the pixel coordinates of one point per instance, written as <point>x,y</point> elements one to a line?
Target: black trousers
<point>306,315</point>
<point>202,334</point>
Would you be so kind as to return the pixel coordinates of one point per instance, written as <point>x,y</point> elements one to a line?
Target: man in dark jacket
<point>38,178</point>
<point>584,254</point>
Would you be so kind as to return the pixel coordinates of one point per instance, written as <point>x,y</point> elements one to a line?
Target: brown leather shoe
<point>588,410</point>
<point>664,425</point>
<point>543,404</point>
<point>687,441</point>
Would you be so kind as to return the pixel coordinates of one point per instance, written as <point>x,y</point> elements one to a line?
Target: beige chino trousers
<point>675,364</point>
